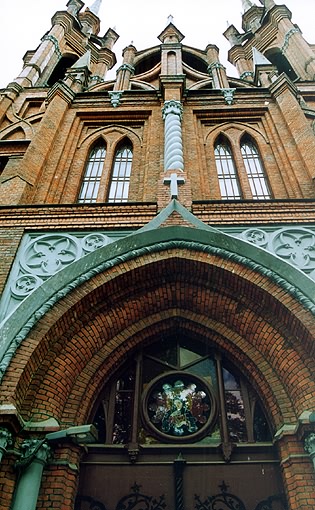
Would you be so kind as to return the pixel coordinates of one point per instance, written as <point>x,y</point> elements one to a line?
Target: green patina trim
<point>16,328</point>
<point>175,206</point>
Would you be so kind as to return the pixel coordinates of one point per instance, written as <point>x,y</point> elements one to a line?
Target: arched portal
<point>201,297</point>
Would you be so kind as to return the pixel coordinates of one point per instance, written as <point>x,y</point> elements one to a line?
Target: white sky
<point>24,22</point>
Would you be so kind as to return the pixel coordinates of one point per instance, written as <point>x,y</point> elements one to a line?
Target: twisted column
<point>179,464</point>
<point>173,148</point>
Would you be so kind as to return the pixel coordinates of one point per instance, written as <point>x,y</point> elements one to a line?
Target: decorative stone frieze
<point>41,256</point>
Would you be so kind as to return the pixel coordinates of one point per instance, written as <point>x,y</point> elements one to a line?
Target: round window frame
<point>202,432</point>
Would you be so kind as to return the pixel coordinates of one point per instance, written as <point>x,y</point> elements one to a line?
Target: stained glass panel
<point>179,405</point>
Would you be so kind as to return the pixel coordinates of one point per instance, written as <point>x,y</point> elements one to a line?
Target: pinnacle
<point>247,4</point>
<point>95,7</point>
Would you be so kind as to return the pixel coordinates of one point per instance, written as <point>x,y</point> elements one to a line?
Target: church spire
<point>95,7</point>
<point>247,4</point>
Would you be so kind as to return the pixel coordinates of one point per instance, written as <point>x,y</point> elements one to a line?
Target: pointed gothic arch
<point>197,282</point>
<point>226,169</point>
<point>121,172</point>
<point>255,171</point>
<point>92,173</point>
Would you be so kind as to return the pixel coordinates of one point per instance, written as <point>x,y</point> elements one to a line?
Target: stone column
<point>215,68</point>
<point>173,145</point>
<point>5,441</point>
<point>126,70</point>
<point>35,455</point>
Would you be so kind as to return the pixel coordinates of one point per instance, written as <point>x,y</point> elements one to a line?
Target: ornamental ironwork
<point>223,501</point>
<point>135,500</point>
<point>227,501</point>
<point>139,501</point>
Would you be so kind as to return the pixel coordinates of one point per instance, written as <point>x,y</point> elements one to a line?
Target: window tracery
<point>177,391</point>
<point>240,169</point>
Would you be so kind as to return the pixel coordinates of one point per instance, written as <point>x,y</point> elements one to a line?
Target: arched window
<point>176,391</point>
<point>227,175</point>
<point>255,171</point>
<point>93,173</point>
<point>120,180</point>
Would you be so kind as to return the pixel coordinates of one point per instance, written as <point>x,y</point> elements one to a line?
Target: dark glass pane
<point>152,369</point>
<point>261,427</point>
<point>124,400</point>
<point>3,162</point>
<point>99,423</point>
<point>123,415</point>
<point>234,405</point>
<point>166,351</point>
<point>127,381</point>
<point>235,416</point>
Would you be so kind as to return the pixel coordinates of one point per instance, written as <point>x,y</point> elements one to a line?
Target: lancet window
<point>93,173</point>
<point>121,172</point>
<point>254,168</point>
<point>226,170</point>
<point>240,170</point>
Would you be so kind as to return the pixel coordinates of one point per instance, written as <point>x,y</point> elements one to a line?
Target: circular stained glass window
<point>179,406</point>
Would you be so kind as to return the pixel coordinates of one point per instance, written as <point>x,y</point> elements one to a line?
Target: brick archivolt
<point>77,345</point>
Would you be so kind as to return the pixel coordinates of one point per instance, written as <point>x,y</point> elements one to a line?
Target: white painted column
<point>173,144</point>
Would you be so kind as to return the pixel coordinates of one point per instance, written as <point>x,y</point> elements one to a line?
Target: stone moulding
<point>18,325</point>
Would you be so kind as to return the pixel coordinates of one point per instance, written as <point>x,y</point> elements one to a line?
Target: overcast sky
<point>24,22</point>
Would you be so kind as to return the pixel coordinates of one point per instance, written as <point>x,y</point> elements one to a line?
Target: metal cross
<point>174,180</point>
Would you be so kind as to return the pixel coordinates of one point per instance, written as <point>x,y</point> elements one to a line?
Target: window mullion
<point>136,407</point>
<point>248,413</point>
<point>224,425</point>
